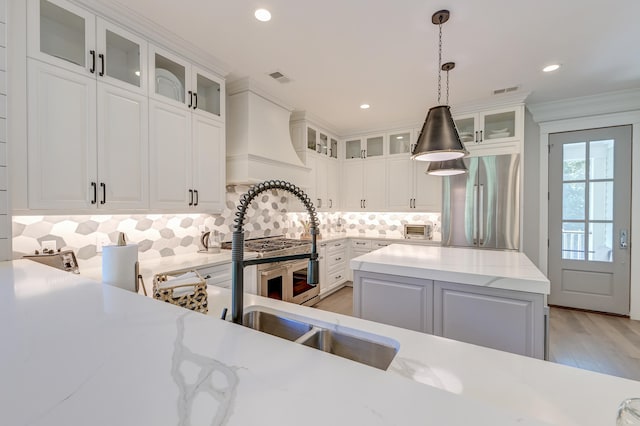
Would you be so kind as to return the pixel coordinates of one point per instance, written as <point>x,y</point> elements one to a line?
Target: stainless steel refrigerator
<point>482,208</point>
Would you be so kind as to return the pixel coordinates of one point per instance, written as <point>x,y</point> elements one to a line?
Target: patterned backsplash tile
<point>160,235</point>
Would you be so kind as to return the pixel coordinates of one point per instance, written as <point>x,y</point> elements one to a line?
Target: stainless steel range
<point>286,281</point>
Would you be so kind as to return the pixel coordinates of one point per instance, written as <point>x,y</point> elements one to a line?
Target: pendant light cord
<point>439,60</point>
<point>447,98</point>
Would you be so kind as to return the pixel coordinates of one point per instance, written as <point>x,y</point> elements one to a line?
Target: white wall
<point>611,109</point>
<point>531,189</point>
<point>5,210</point>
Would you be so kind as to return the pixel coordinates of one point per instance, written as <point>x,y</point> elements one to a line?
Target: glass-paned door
<point>589,217</point>
<point>400,143</point>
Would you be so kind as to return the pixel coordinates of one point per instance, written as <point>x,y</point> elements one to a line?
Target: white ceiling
<point>341,53</point>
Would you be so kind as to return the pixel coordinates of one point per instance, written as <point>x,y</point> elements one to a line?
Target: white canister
<point>119,266</point>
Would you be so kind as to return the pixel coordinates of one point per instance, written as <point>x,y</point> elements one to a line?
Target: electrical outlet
<point>49,245</point>
<point>101,241</point>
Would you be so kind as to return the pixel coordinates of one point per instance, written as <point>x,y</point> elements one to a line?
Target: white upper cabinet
<point>401,143</point>
<point>70,37</point>
<point>364,185</point>
<point>484,132</point>
<point>177,82</point>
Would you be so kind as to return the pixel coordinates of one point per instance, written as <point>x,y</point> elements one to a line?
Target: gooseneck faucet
<point>237,243</point>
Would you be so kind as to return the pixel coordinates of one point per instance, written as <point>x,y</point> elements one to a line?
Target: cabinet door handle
<point>330,203</point>
<point>360,244</point>
<point>95,192</point>
<point>338,277</point>
<point>92,70</point>
<point>477,137</point>
<point>197,197</point>
<point>190,99</point>
<point>319,202</point>
<point>365,203</point>
<point>104,192</point>
<point>338,259</point>
<point>481,139</point>
<point>191,197</point>
<point>195,100</point>
<point>101,56</point>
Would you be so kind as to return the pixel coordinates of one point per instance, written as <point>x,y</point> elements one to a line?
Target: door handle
<point>474,227</point>
<point>190,99</point>
<point>101,56</point>
<point>477,137</point>
<point>92,70</point>
<point>196,197</point>
<point>481,216</point>
<point>624,238</point>
<point>481,138</point>
<point>104,192</point>
<point>195,100</point>
<point>191,197</point>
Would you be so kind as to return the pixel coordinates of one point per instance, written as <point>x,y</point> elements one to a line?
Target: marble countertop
<point>76,352</point>
<point>490,268</point>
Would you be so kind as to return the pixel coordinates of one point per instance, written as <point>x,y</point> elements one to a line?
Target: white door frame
<point>582,123</point>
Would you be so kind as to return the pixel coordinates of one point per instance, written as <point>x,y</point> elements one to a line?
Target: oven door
<point>275,283</point>
<point>301,292</point>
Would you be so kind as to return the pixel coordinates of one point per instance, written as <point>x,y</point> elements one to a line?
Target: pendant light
<point>439,140</point>
<point>447,168</point>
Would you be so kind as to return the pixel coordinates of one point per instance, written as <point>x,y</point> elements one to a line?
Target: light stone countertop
<point>75,350</point>
<point>489,268</point>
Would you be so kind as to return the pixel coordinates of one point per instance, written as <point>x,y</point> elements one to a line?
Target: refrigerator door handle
<point>474,229</point>
<point>481,216</point>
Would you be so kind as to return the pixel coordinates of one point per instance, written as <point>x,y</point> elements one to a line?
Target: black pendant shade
<point>438,140</point>
<point>447,168</point>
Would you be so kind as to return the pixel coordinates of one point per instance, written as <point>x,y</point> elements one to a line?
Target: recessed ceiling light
<point>262,15</point>
<point>365,106</point>
<point>550,68</point>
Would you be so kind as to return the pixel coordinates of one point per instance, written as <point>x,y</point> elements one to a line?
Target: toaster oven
<point>418,231</point>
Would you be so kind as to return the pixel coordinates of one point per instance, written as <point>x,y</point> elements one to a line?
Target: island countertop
<point>75,352</point>
<point>490,268</point>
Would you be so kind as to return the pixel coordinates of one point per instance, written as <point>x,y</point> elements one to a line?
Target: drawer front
<point>336,245</point>
<point>361,244</point>
<point>375,245</point>
<point>335,258</point>
<point>337,274</point>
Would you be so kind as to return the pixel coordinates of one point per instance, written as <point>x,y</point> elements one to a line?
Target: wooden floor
<point>592,341</point>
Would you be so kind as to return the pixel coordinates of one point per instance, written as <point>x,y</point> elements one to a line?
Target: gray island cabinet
<point>494,299</point>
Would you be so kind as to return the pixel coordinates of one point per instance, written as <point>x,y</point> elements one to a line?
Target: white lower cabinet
<point>187,160</point>
<point>333,265</point>
<point>88,142</point>
<point>400,301</point>
<point>507,320</point>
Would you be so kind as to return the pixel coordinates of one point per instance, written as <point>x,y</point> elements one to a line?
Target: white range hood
<point>259,144</point>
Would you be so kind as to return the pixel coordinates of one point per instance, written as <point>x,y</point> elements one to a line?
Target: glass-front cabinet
<point>491,126</point>
<point>70,37</point>
<point>370,146</point>
<point>400,143</point>
<point>177,82</point>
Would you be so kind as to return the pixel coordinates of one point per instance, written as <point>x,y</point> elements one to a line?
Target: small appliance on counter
<point>418,231</point>
<point>62,259</point>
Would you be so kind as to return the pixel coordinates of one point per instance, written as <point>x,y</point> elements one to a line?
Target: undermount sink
<point>356,349</point>
<point>275,325</point>
<point>369,350</point>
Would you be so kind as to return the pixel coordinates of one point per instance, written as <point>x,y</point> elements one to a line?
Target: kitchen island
<point>76,352</point>
<point>491,298</point>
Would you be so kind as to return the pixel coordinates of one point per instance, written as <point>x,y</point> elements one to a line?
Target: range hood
<point>259,144</point>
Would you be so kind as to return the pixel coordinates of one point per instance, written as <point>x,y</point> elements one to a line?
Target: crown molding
<point>119,14</point>
<point>246,84</point>
<point>314,120</point>
<point>585,106</point>
<point>494,102</point>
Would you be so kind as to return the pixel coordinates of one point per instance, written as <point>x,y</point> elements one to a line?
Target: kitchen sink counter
<point>506,270</point>
<point>77,352</point>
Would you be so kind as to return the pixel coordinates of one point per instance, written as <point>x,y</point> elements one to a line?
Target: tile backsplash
<point>160,235</point>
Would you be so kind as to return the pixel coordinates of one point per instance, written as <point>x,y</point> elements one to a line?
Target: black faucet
<point>237,243</point>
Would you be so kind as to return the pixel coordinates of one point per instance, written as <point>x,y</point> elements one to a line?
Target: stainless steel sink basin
<point>275,325</point>
<point>353,348</point>
<point>360,349</point>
